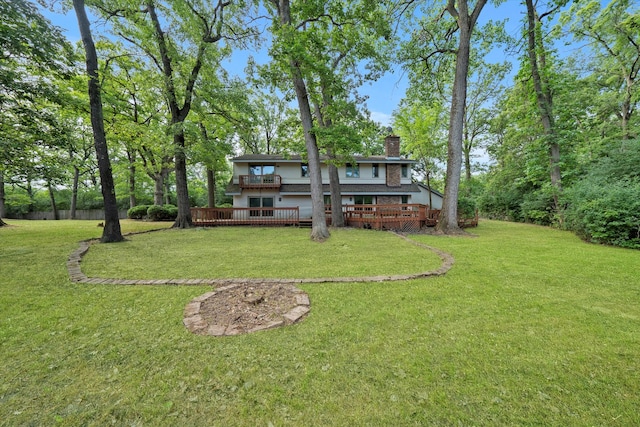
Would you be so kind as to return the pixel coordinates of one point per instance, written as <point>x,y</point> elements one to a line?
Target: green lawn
<point>530,327</point>
<point>232,252</point>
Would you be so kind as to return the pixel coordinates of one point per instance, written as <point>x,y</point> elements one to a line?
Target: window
<point>327,200</point>
<point>352,171</point>
<point>405,171</point>
<point>405,199</point>
<point>363,200</point>
<point>375,170</point>
<point>262,169</point>
<point>260,202</point>
<point>304,170</point>
<point>257,173</point>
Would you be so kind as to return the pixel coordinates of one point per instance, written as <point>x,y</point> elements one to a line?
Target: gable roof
<point>436,192</point>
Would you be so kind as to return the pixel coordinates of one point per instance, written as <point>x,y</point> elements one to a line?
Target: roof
<point>346,189</point>
<point>249,158</point>
<point>436,192</point>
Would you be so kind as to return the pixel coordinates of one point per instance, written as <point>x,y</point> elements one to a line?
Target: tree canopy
<point>547,108</point>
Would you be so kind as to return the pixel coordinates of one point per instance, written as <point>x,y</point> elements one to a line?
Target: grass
<point>530,327</point>
<point>257,252</point>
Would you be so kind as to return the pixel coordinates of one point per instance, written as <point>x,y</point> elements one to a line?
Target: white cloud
<point>383,118</point>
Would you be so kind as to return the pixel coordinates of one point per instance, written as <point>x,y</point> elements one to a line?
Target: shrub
<point>466,207</point>
<point>138,212</point>
<point>503,204</point>
<point>604,206</point>
<point>609,215</point>
<point>17,204</point>
<point>162,213</point>
<point>537,207</point>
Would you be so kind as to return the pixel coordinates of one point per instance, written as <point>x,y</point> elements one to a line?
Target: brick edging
<point>195,323</point>
<point>76,274</point>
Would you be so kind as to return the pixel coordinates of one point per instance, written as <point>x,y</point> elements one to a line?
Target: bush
<point>503,204</point>
<point>162,213</point>
<point>608,215</point>
<point>17,204</point>
<point>466,207</point>
<point>138,212</point>
<point>604,206</point>
<point>537,207</point>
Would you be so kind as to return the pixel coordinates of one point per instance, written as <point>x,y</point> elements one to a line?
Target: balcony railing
<point>260,181</point>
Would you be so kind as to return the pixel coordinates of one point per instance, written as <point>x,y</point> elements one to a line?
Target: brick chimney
<point>392,146</point>
<point>392,151</point>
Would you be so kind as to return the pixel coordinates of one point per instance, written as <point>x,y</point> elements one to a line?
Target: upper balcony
<point>260,181</point>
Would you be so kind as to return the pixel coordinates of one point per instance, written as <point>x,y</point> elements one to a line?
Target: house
<point>274,181</point>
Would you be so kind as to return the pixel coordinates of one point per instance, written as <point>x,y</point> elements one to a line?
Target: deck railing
<point>260,181</point>
<point>245,216</point>
<point>405,217</point>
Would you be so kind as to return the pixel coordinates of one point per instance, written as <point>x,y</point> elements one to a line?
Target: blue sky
<point>385,94</point>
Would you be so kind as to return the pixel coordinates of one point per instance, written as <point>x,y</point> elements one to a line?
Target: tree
<point>289,47</point>
<point>111,231</point>
<point>323,47</point>
<point>179,54</point>
<point>134,103</point>
<point>423,132</point>
<point>615,40</point>
<point>466,20</point>
<point>484,87</point>
<point>32,54</point>
<point>544,95</point>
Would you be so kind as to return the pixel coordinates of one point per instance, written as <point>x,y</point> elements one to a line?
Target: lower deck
<point>398,217</point>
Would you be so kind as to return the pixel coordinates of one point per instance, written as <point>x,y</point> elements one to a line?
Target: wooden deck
<point>406,217</point>
<point>245,216</point>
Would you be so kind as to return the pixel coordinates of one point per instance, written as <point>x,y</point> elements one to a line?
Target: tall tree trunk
<point>625,113</point>
<point>52,199</point>
<point>337,217</point>
<point>448,220</point>
<point>544,99</point>
<point>74,192</point>
<point>178,116</point>
<point>3,210</point>
<point>111,231</point>
<point>167,187</point>
<point>158,188</point>
<point>335,193</point>
<point>131,156</point>
<point>319,230</point>
<point>211,188</point>
<point>466,153</point>
<point>182,193</point>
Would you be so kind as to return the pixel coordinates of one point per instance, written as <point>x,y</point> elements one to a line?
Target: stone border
<point>76,274</point>
<point>195,323</point>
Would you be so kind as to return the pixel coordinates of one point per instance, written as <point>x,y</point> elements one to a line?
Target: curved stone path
<point>194,321</point>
